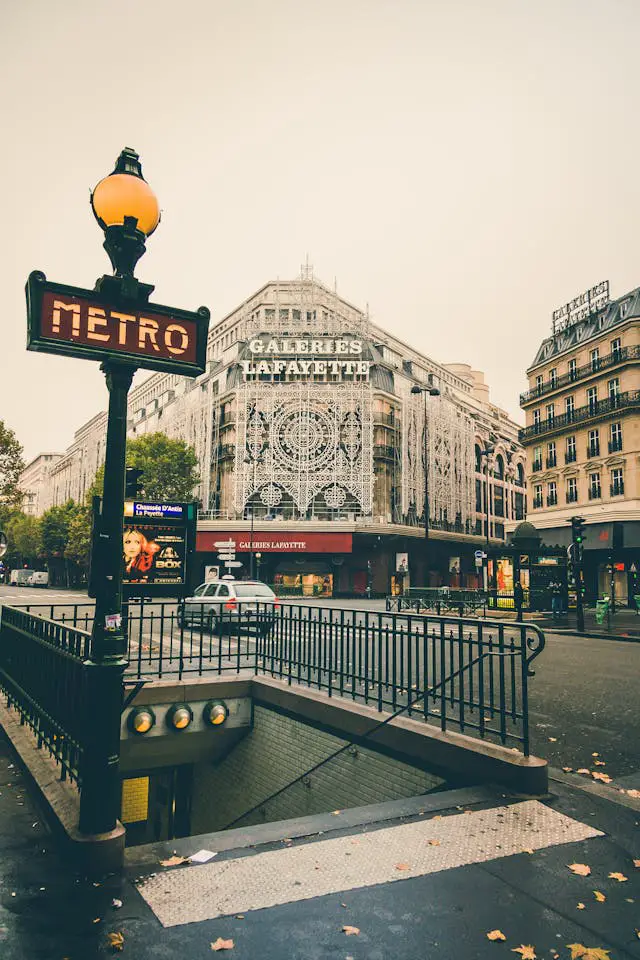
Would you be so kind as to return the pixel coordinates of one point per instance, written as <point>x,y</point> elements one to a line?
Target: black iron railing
<point>580,373</point>
<point>593,411</point>
<point>43,677</point>
<point>472,674</point>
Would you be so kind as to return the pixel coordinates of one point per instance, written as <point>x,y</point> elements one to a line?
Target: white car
<point>229,604</point>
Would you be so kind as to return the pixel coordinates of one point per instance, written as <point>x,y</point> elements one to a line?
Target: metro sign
<point>84,323</point>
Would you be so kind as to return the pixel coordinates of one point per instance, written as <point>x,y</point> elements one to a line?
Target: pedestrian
<point>556,598</point>
<point>518,596</point>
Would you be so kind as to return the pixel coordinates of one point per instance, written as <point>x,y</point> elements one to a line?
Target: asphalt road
<point>583,698</point>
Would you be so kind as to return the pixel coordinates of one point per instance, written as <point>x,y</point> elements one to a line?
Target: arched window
<point>499,468</point>
<point>520,480</point>
<point>478,460</point>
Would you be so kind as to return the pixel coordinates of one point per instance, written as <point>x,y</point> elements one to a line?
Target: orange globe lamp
<point>127,210</point>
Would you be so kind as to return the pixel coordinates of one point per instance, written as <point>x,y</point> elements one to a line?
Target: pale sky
<point>463,166</point>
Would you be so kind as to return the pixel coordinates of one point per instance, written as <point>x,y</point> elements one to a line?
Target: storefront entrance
<point>304,584</point>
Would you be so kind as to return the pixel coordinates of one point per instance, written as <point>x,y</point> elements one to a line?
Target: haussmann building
<point>312,449</point>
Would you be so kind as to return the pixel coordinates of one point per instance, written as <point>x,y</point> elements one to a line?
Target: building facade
<point>582,436</point>
<point>312,448</point>
<point>36,483</point>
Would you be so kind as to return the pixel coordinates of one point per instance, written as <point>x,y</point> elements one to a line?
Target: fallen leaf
<point>116,903</point>
<point>595,754</point>
<point>336,812</point>
<point>602,777</point>
<point>599,763</point>
<point>116,941</point>
<point>636,863</point>
<point>173,861</point>
<point>580,952</point>
<point>437,817</point>
<point>527,850</point>
<point>620,877</point>
<point>637,933</point>
<point>581,869</point>
<point>568,769</point>
<point>633,793</point>
<point>580,906</point>
<point>433,843</point>
<point>551,740</point>
<point>526,952</point>
<point>97,919</point>
<point>351,931</point>
<point>239,916</point>
<point>221,944</point>
<point>600,897</point>
<point>496,935</point>
<point>584,770</point>
<point>402,866</point>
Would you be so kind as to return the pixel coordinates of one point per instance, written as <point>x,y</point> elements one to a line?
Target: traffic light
<point>577,529</point>
<point>133,487</point>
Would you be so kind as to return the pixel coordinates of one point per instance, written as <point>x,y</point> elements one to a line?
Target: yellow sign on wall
<point>135,800</point>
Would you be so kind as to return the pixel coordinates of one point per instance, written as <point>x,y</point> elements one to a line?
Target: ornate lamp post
<point>428,391</point>
<point>254,461</point>
<point>127,210</point>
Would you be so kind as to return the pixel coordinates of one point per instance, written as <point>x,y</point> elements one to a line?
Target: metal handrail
<point>593,411</point>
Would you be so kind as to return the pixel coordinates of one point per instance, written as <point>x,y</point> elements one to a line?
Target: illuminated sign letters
<point>305,357</point>
<point>75,322</point>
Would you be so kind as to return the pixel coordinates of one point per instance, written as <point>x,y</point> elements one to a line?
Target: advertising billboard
<point>158,539</point>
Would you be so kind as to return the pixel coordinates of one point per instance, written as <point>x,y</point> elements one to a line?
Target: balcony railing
<point>537,503</point>
<point>611,360</point>
<point>603,408</point>
<point>615,446</point>
<point>552,500</point>
<point>537,466</point>
<point>595,493</point>
<point>572,496</point>
<point>551,462</point>
<point>593,450</point>
<point>383,451</point>
<point>570,456</point>
<point>617,489</point>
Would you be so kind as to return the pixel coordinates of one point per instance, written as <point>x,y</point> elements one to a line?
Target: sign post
<point>116,325</point>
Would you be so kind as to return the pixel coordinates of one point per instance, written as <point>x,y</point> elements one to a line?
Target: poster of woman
<point>153,554</point>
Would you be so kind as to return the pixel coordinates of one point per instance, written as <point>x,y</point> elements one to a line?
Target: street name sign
<point>226,556</point>
<point>224,544</point>
<point>86,323</point>
<point>233,563</point>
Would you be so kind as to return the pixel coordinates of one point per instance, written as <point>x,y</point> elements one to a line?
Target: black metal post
<point>100,796</point>
<point>251,537</point>
<point>486,495</point>
<point>426,477</point>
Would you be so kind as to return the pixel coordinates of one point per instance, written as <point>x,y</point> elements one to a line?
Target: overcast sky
<point>464,166</point>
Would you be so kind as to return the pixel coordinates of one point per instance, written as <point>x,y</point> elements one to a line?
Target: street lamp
<point>255,461</point>
<point>127,210</point>
<point>428,391</point>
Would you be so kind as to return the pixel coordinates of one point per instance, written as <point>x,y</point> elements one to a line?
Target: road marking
<point>195,893</point>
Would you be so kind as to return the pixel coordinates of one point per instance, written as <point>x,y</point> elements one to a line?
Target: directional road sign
<point>224,544</point>
<point>233,563</point>
<point>226,556</point>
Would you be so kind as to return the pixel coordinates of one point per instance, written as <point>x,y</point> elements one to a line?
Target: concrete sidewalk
<point>428,877</point>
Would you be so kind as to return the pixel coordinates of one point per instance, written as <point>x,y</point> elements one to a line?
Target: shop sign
<point>281,543</point>
<point>402,562</point>
<point>301,358</point>
<point>82,323</point>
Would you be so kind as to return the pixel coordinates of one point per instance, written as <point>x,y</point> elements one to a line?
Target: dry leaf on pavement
<point>402,866</point>
<point>568,769</point>
<point>584,770</point>
<point>433,843</point>
<point>581,869</point>
<point>599,763</point>
<point>580,952</point>
<point>620,877</point>
<point>526,952</point>
<point>633,793</point>
<point>116,940</point>
<point>496,935</point>
<point>602,777</point>
<point>173,861</point>
<point>527,850</point>
<point>636,863</point>
<point>221,944</point>
<point>351,931</point>
<point>580,906</point>
<point>600,897</point>
<point>553,739</point>
<point>595,754</point>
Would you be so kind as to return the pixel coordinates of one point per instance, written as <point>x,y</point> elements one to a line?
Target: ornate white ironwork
<point>450,460</point>
<point>309,444</point>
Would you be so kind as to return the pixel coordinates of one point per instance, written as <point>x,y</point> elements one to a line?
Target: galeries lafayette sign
<point>304,357</point>
<point>81,323</point>
<point>278,543</point>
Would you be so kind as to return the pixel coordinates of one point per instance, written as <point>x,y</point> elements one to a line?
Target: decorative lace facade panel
<point>305,444</point>
<point>450,458</point>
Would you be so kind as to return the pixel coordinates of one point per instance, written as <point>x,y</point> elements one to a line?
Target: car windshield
<point>253,590</point>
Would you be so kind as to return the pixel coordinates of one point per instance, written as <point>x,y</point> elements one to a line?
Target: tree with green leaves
<point>11,466</point>
<point>78,546</point>
<point>55,524</point>
<point>169,468</point>
<point>25,539</point>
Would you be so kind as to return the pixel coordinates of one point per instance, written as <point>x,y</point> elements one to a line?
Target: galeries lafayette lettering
<point>302,357</point>
<point>276,543</point>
